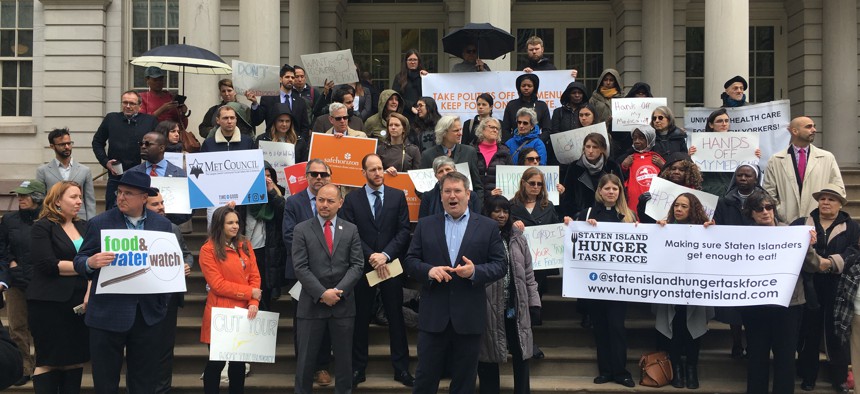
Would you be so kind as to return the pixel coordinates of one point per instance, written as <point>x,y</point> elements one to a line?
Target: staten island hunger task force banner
<point>683,264</point>
<point>216,178</point>
<point>234,337</point>
<point>146,262</point>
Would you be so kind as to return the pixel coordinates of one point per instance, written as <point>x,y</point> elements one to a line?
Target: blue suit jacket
<point>460,301</point>
<point>116,312</point>
<point>297,209</point>
<point>390,234</point>
<point>171,171</point>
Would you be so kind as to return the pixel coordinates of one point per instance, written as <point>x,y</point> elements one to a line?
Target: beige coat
<point>781,182</point>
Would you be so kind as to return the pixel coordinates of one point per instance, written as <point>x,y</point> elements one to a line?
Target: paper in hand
<point>394,269</point>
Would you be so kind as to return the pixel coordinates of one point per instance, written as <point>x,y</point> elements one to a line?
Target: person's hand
<point>658,161</point>
<point>496,192</point>
<point>187,270</point>
<point>567,220</point>
<point>13,264</point>
<point>231,204</point>
<point>479,65</point>
<point>377,259</point>
<point>423,72</point>
<point>331,296</point>
<point>414,110</point>
<point>591,222</point>
<point>824,264</point>
<point>574,73</point>
<point>382,271</point>
<point>758,152</point>
<point>528,70</point>
<point>520,225</point>
<point>813,237</point>
<point>338,135</point>
<point>269,184</point>
<point>465,270</point>
<point>644,198</point>
<point>692,150</point>
<point>662,222</point>
<point>560,188</point>
<point>100,259</point>
<point>166,107</point>
<point>628,161</point>
<point>391,171</point>
<point>251,96</point>
<point>256,294</point>
<point>709,223</point>
<point>327,87</point>
<point>110,165</point>
<point>439,273</point>
<point>252,311</point>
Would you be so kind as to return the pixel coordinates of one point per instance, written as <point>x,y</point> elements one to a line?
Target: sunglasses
<point>532,158</point>
<point>523,122</point>
<point>658,117</point>
<point>316,174</point>
<point>767,207</point>
<point>340,118</point>
<point>535,183</point>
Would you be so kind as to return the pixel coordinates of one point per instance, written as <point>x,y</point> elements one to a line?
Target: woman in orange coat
<point>230,268</point>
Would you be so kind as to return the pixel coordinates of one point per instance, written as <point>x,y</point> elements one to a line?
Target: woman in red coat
<point>230,268</point>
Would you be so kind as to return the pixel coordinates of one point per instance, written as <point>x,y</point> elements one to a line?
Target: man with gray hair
<point>339,117</point>
<point>448,135</point>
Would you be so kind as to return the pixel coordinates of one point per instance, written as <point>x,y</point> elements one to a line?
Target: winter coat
<point>502,157</point>
<point>672,142</point>
<point>509,120</point>
<point>538,216</point>
<point>520,142</point>
<point>580,186</point>
<point>697,319</point>
<point>15,245</point>
<point>469,129</point>
<point>638,177</point>
<point>411,92</point>
<point>230,281</point>
<point>728,211</point>
<point>601,104</point>
<point>403,157</point>
<point>494,345</point>
<point>564,118</point>
<point>376,126</point>
<point>780,180</point>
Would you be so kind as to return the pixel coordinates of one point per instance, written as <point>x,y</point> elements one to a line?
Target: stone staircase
<point>569,366</point>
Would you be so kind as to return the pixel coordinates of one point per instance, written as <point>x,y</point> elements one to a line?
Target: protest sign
<point>216,178</point>
<point>724,152</point>
<point>404,182</point>
<point>508,179</point>
<point>343,155</point>
<point>174,191</point>
<point>455,93</point>
<point>546,244</point>
<point>280,155</point>
<point>335,66</point>
<point>260,79</point>
<point>234,337</point>
<point>630,113</point>
<point>424,180</point>
<point>663,194</point>
<point>295,176</point>
<point>683,264</point>
<point>175,158</point>
<point>146,262</point>
<point>568,145</point>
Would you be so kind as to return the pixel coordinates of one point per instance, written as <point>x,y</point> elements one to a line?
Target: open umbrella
<point>184,59</point>
<point>491,41</point>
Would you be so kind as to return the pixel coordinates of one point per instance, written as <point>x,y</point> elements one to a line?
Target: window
<point>380,51</point>
<point>426,41</point>
<point>153,23</point>
<point>523,35</point>
<point>695,80</point>
<point>16,57</point>
<point>371,52</point>
<point>762,70</point>
<point>584,52</point>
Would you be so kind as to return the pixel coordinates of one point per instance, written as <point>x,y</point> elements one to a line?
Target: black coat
<point>580,185</point>
<point>728,211</point>
<point>539,215</point>
<point>50,244</point>
<point>673,141</point>
<point>123,135</point>
<point>502,157</point>
<point>15,230</point>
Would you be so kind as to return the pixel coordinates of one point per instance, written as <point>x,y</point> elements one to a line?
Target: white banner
<point>280,155</point>
<point>630,113</point>
<point>216,178</point>
<point>546,244</point>
<point>260,79</point>
<point>174,191</point>
<point>425,180</point>
<point>146,262</point>
<point>455,93</point>
<point>663,194</point>
<point>724,152</point>
<point>568,145</point>
<point>174,158</point>
<point>236,338</point>
<point>508,179</point>
<point>683,264</point>
<point>335,66</point>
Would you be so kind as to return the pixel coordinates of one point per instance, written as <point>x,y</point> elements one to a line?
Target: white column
<point>497,13</point>
<point>839,81</point>
<point>658,47</point>
<point>260,31</point>
<point>304,28</point>
<point>199,25</point>
<point>726,45</point>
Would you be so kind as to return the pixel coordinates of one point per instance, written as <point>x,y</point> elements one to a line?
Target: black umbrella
<point>184,59</point>
<point>491,41</point>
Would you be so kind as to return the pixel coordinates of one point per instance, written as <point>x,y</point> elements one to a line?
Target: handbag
<point>189,142</point>
<point>656,369</point>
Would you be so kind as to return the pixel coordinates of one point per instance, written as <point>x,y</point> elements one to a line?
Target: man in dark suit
<point>299,208</point>
<point>454,255</point>
<point>382,217</point>
<point>154,164</point>
<point>63,168</point>
<point>268,109</point>
<point>130,323</point>
<point>328,262</point>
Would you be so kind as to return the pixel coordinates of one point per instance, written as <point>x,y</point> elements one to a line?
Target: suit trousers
<point>392,301</point>
<point>771,328</point>
<point>110,191</point>
<point>309,338</point>
<point>142,351</point>
<point>19,329</point>
<point>610,337</point>
<point>446,350</point>
<point>165,359</point>
<point>324,354</point>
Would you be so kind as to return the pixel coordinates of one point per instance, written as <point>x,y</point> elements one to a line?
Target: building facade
<point>65,62</point>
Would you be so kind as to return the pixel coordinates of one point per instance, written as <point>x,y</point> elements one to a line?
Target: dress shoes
<point>601,379</point>
<point>322,378</point>
<point>404,377</point>
<point>358,377</point>
<point>625,381</point>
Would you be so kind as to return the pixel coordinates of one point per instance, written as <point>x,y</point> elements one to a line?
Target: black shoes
<point>404,377</point>
<point>677,376</point>
<point>537,354</point>
<point>358,377</point>
<point>625,381</point>
<point>692,377</point>
<point>601,379</point>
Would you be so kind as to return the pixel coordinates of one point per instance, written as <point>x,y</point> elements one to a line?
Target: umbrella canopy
<point>491,41</point>
<point>184,58</point>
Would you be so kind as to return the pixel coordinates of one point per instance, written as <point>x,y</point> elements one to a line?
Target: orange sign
<point>343,155</point>
<point>403,182</point>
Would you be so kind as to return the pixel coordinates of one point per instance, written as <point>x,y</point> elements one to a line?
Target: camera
<point>180,99</point>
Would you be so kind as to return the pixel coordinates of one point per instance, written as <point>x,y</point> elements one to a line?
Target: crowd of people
<point>480,294</point>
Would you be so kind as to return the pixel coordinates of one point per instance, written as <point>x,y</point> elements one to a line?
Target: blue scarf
<point>729,102</point>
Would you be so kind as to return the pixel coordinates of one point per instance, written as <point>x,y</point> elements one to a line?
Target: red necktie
<point>328,237</point>
<point>801,163</point>
<point>152,170</point>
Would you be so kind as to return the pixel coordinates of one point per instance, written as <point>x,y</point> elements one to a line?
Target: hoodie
<point>509,121</point>
<point>639,87</point>
<point>376,125</point>
<point>531,140</point>
<point>601,104</point>
<point>564,118</point>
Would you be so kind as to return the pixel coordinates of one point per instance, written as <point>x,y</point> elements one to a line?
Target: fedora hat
<point>138,180</point>
<point>834,190</point>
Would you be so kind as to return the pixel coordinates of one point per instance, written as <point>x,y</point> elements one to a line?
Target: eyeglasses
<point>147,143</point>
<point>410,60</point>
<point>524,122</point>
<point>129,103</point>
<point>125,194</point>
<point>65,144</point>
<point>658,117</point>
<point>768,207</point>
<point>535,183</point>
<point>340,118</point>
<point>533,158</point>
<point>316,174</point>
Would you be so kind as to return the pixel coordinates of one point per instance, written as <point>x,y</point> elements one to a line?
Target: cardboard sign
<point>234,337</point>
<point>343,155</point>
<point>568,145</point>
<point>630,113</point>
<point>335,66</point>
<point>216,178</point>
<point>174,191</point>
<point>425,180</point>
<point>403,182</point>
<point>260,79</point>
<point>280,155</point>
<point>295,177</point>
<point>724,152</point>
<point>146,262</point>
<point>546,244</point>
<point>663,194</point>
<point>508,179</point>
